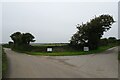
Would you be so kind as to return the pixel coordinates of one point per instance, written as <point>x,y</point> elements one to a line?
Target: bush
<point>21,48</point>
<point>103,42</point>
<point>6,45</point>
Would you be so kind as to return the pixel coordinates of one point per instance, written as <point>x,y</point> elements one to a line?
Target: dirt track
<point>103,65</point>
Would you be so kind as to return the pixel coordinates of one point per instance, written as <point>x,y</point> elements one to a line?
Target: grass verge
<point>100,49</point>
<point>4,63</point>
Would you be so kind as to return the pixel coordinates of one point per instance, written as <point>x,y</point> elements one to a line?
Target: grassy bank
<point>59,50</point>
<point>4,63</point>
<point>67,53</point>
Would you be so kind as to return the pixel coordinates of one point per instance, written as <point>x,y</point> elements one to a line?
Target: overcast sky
<point>53,22</point>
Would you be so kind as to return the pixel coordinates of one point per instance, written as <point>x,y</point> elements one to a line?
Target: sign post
<point>86,48</point>
<point>49,49</point>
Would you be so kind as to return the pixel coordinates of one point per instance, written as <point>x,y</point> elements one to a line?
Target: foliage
<point>21,40</point>
<point>112,40</point>
<point>56,48</point>
<point>71,53</point>
<point>89,34</point>
<point>118,42</point>
<point>109,41</point>
<point>6,45</point>
<point>103,42</point>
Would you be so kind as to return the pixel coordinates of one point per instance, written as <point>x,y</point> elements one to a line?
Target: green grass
<point>100,49</point>
<point>0,61</point>
<point>4,63</point>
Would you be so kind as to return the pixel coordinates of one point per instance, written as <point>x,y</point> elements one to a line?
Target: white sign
<point>49,49</point>
<point>86,48</point>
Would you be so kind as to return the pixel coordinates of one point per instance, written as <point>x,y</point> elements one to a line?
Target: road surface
<point>102,65</point>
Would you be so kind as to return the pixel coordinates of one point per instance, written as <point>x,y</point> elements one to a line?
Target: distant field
<point>49,44</point>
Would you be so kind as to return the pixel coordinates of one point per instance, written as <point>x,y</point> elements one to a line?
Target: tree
<point>10,43</point>
<point>103,42</point>
<point>118,42</point>
<point>27,38</point>
<point>112,40</point>
<point>89,34</point>
<point>17,38</point>
<point>22,39</point>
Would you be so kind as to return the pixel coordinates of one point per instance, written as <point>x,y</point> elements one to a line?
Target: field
<point>49,44</point>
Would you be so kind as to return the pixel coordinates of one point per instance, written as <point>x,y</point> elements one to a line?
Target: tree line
<point>88,34</point>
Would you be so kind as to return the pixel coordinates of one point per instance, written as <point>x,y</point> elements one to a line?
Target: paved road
<point>103,65</point>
